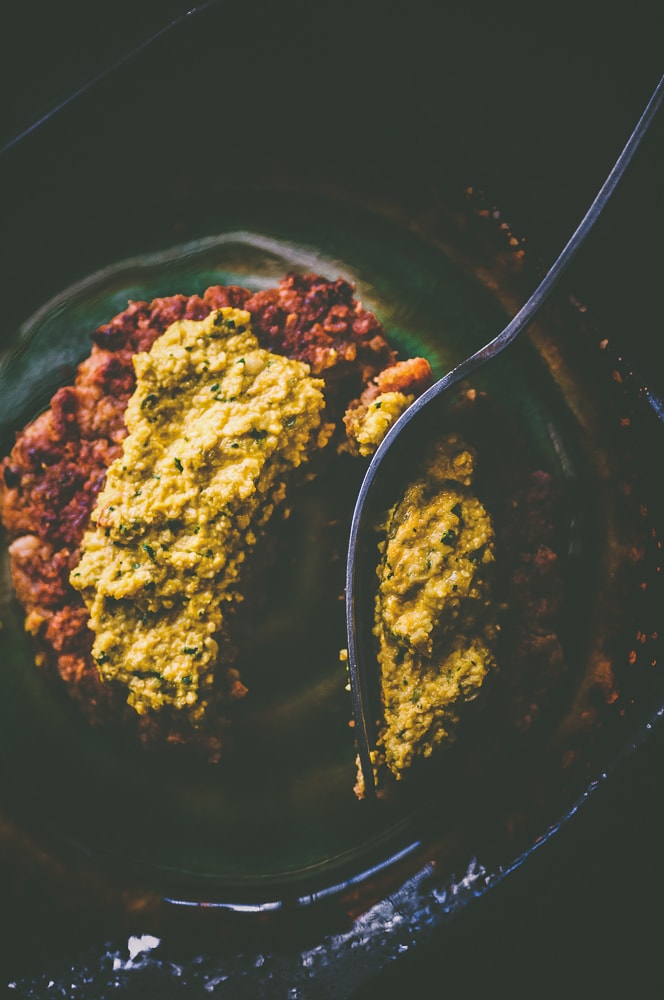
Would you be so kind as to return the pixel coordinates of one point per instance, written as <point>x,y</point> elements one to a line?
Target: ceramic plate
<point>275,832</point>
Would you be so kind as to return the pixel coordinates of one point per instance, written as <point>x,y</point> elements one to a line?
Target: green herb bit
<point>178,464</point>
<point>150,551</point>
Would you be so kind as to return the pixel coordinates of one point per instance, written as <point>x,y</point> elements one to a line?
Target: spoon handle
<point>528,311</point>
<point>359,691</point>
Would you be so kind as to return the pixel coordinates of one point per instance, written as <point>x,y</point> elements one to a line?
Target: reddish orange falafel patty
<point>50,481</point>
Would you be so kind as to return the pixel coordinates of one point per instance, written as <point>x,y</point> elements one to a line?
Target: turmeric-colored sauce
<point>215,427</point>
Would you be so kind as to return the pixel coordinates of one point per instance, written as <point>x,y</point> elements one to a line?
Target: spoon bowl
<point>380,485</point>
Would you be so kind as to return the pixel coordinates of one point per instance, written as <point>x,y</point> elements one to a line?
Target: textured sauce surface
<point>216,424</point>
<point>434,610</point>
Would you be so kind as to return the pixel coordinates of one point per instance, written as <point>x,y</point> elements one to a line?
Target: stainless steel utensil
<point>361,657</point>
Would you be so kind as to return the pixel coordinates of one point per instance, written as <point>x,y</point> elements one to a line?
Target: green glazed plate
<point>277,821</point>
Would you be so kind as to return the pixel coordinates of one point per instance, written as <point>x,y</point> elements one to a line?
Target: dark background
<point>540,104</point>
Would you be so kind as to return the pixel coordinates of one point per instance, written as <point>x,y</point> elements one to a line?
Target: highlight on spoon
<point>361,656</point>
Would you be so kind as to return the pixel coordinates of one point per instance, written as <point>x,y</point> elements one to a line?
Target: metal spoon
<point>362,663</point>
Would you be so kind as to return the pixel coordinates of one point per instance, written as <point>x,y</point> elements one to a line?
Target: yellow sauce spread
<point>366,426</point>
<point>215,426</point>
<point>434,618</point>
